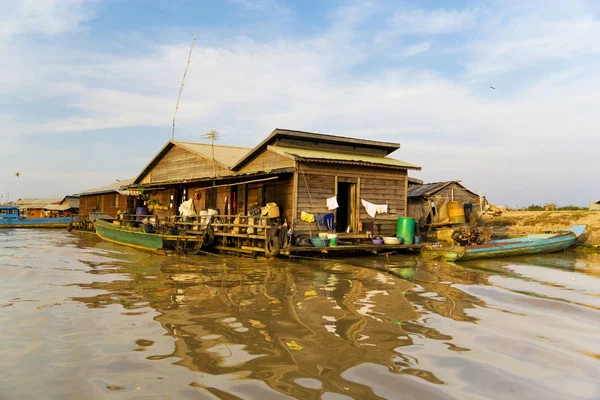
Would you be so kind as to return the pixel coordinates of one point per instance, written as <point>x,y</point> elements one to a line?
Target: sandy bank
<point>517,223</point>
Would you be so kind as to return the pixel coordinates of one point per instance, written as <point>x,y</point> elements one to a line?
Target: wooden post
<point>295,196</point>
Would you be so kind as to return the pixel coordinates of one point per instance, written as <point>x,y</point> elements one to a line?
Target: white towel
<point>373,209</point>
<point>332,203</point>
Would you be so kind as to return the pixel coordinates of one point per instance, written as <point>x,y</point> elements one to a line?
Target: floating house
<point>109,199</point>
<point>36,207</point>
<point>67,207</point>
<point>428,202</point>
<point>317,182</point>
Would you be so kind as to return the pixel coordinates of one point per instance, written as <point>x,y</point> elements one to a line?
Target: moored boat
<point>10,218</point>
<point>138,237</point>
<point>526,245</point>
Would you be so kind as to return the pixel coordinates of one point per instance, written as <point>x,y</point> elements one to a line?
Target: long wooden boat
<point>139,238</point>
<point>10,218</point>
<point>526,245</point>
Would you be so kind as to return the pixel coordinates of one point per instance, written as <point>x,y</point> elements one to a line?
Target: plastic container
<point>391,240</point>
<point>319,242</point>
<point>377,241</point>
<point>406,229</point>
<point>456,212</point>
<point>141,212</point>
<point>332,239</point>
<point>417,240</point>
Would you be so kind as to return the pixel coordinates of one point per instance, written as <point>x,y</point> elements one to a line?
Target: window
<point>211,198</point>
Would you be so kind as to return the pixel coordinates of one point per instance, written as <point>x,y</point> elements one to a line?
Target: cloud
<point>48,17</point>
<point>449,123</point>
<point>430,22</point>
<point>415,49</point>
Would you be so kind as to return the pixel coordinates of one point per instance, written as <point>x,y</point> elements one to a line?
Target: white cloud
<point>415,49</point>
<point>453,127</point>
<point>428,22</point>
<point>47,17</point>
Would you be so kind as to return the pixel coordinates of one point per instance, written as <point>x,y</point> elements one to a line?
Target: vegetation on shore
<point>517,223</point>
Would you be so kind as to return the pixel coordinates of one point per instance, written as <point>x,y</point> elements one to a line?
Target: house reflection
<point>279,321</point>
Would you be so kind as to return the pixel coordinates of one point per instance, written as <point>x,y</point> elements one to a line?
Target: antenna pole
<point>181,88</point>
<point>212,135</point>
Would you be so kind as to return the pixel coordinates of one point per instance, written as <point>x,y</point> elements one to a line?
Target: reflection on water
<point>90,319</point>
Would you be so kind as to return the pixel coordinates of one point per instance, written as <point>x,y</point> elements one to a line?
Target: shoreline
<point>519,223</point>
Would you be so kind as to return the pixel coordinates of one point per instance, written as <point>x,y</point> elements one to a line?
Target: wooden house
<point>427,203</point>
<point>36,207</point>
<point>68,206</point>
<point>299,171</point>
<point>108,199</point>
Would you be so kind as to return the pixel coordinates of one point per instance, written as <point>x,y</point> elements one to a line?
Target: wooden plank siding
<point>266,161</point>
<point>375,185</point>
<point>179,164</point>
<point>109,203</point>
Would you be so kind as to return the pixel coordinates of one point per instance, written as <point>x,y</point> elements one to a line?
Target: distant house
<point>108,199</point>
<point>595,205</point>
<point>427,203</point>
<point>65,208</point>
<point>36,207</point>
<point>299,171</point>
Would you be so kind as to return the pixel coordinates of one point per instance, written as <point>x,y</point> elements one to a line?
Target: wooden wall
<point>266,161</point>
<point>180,164</point>
<point>249,195</point>
<point>419,207</point>
<point>375,185</point>
<point>109,203</point>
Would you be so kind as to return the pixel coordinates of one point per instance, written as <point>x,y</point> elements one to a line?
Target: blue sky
<point>89,87</point>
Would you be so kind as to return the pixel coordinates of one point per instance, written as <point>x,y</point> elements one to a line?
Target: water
<point>84,319</point>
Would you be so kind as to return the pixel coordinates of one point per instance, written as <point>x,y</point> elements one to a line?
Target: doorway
<point>345,214</point>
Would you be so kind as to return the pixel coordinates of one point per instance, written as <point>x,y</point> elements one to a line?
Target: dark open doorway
<point>345,215</point>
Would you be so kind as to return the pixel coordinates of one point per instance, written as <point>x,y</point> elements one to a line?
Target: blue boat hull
<point>62,222</point>
<point>527,245</point>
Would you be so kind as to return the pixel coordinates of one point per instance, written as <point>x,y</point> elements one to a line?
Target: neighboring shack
<point>427,203</point>
<point>296,170</point>
<point>67,207</point>
<point>108,199</point>
<point>594,205</point>
<point>36,207</point>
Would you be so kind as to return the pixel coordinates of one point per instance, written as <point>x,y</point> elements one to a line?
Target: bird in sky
<point>18,174</point>
<point>491,87</point>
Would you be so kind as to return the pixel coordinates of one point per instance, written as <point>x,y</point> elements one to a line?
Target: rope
<point>306,184</point>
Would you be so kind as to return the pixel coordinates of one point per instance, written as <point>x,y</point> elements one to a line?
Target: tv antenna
<point>181,88</point>
<point>213,135</point>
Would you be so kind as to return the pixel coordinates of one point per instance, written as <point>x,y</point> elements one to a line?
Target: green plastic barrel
<point>406,229</point>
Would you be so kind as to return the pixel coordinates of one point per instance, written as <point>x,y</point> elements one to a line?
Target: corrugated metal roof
<point>113,187</point>
<point>227,156</point>
<point>57,207</point>
<point>38,202</point>
<point>313,137</point>
<point>429,189</point>
<point>330,156</point>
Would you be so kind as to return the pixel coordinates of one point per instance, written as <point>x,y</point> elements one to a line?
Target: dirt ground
<point>518,223</point>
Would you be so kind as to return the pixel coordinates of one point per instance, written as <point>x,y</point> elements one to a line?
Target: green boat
<point>526,245</point>
<point>139,238</point>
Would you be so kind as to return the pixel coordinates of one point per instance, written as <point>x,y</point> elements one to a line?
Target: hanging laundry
<point>332,203</point>
<point>373,209</point>
<point>306,217</point>
<point>325,221</point>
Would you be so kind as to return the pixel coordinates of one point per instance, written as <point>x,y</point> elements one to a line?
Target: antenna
<point>181,88</point>
<point>212,135</point>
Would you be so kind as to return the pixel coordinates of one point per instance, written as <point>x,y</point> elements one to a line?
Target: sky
<point>502,95</point>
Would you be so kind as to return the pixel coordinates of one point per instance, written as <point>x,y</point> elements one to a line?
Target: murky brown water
<point>85,319</point>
